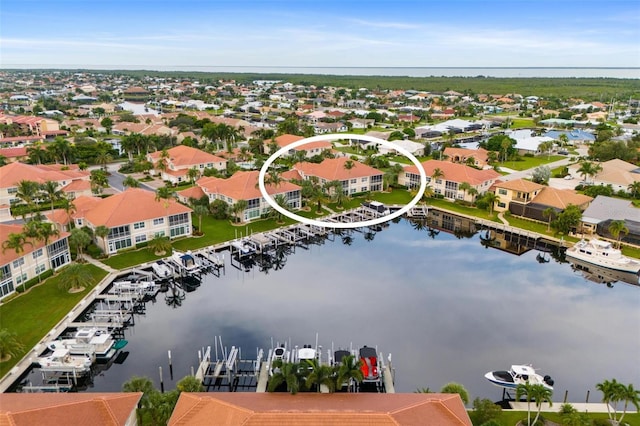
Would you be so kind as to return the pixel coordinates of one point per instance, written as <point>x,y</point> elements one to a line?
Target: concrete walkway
<point>502,219</point>
<point>99,264</point>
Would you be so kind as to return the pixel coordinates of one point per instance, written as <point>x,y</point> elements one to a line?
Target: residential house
<point>181,159</point>
<point>362,123</point>
<point>314,409</point>
<point>527,142</point>
<point>529,199</point>
<point>617,173</point>
<point>17,268</point>
<point>11,155</point>
<point>70,409</point>
<point>414,148</point>
<point>243,185</point>
<point>337,127</point>
<point>33,126</point>
<point>603,210</point>
<point>479,157</point>
<point>70,179</point>
<point>134,216</point>
<point>310,149</point>
<point>453,175</point>
<point>355,178</point>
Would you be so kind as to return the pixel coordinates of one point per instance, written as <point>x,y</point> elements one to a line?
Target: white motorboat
<point>135,286</point>
<point>518,375</point>
<point>600,275</point>
<point>161,270</point>
<point>186,262</point>
<point>91,340</point>
<point>306,352</point>
<point>602,253</point>
<point>61,360</point>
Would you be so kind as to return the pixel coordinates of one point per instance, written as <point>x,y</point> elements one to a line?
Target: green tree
<point>568,219</point>
<point>51,192</point>
<point>200,210</point>
<point>549,213</point>
<point>189,384</point>
<point>69,208</point>
<point>10,346</point>
<point>281,201</point>
<point>99,181</point>
<point>16,242</point>
<point>541,175</point>
<point>588,168</point>
<point>491,198</point>
<point>536,393</point>
<point>319,375</point>
<point>629,395</point>
<point>617,227</point>
<point>140,384</point>
<point>285,372</point>
<point>634,189</point>
<point>219,209</point>
<point>104,157</point>
<point>80,240</point>
<point>237,210</point>
<point>349,372</point>
<point>28,191</point>
<point>131,182</point>
<point>453,387</point>
<point>193,174</point>
<point>107,123</point>
<point>75,277</point>
<point>40,231</point>
<point>611,394</point>
<point>437,174</point>
<point>484,410</point>
<point>102,232</point>
<point>159,245</point>
<point>464,187</point>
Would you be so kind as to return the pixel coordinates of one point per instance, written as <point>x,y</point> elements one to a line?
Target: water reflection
<point>448,309</point>
<point>600,275</point>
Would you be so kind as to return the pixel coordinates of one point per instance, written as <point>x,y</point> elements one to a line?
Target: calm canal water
<point>447,309</point>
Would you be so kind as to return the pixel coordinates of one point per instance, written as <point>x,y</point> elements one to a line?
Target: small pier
<point>228,371</point>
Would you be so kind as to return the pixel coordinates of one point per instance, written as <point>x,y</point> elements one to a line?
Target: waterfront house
<point>603,210</point>
<point>134,216</point>
<point>617,173</point>
<point>180,159</point>
<point>70,409</point>
<point>452,175</point>
<point>479,157</point>
<point>246,408</point>
<point>355,178</point>
<point>17,268</point>
<point>243,185</point>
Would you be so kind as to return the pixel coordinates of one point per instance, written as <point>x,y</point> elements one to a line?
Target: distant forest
<point>590,89</point>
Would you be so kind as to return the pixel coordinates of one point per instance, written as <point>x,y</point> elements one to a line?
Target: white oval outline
<point>341,225</point>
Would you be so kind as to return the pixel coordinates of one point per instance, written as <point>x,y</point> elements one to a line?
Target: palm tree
<point>103,158</point>
<point>238,208</point>
<point>274,178</point>
<point>286,372</point>
<point>437,174</point>
<point>189,384</point>
<point>281,201</point>
<point>549,213</point>
<point>16,242</point>
<point>336,190</point>
<point>617,227</point>
<point>80,239</point>
<point>588,168</point>
<point>473,192</point>
<point>102,232</point>
<point>348,165</point>
<point>491,198</point>
<point>464,187</point>
<point>10,346</point>
<point>140,384</point>
<point>165,193</point>
<point>159,245</point>
<point>634,189</point>
<point>611,391</point>
<point>193,174</point>
<point>349,372</point>
<point>629,395</point>
<point>131,182</point>
<point>70,209</point>
<point>536,393</point>
<point>319,375</point>
<point>28,191</point>
<point>200,210</point>
<point>40,231</point>
<point>456,388</point>
<point>75,277</point>
<point>51,192</point>
<point>37,154</point>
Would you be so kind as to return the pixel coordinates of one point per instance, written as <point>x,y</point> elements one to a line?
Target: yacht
<point>602,253</point>
<point>600,275</point>
<point>518,375</point>
<point>61,361</point>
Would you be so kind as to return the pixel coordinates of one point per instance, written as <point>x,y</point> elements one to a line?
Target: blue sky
<point>312,33</point>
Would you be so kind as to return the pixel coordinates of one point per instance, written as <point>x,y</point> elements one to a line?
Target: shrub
<point>94,251</point>
<point>484,411</point>
<point>33,281</point>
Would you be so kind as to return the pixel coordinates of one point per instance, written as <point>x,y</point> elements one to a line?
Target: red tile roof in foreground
<point>334,169</point>
<point>132,205</point>
<point>455,172</point>
<point>242,186</point>
<point>315,409</point>
<point>69,409</point>
<point>13,173</point>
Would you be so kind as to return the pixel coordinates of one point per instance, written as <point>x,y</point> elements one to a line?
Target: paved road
<point>116,178</point>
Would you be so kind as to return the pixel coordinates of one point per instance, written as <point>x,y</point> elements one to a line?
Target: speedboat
<point>306,352</point>
<point>61,360</point>
<point>369,366</point>
<point>602,253</point>
<point>91,340</point>
<point>186,262</point>
<point>518,375</point>
<point>161,270</point>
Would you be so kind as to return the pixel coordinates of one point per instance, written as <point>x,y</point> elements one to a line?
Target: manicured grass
<point>530,162</point>
<point>522,123</point>
<point>396,196</point>
<point>37,311</point>
<point>631,251</point>
<point>510,417</point>
<point>469,211</point>
<point>540,228</point>
<point>405,160</point>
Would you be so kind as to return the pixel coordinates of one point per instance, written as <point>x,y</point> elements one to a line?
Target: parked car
<point>563,152</point>
<point>568,177</point>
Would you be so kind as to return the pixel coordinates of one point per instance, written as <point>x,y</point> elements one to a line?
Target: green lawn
<point>530,162</point>
<point>37,311</point>
<point>510,417</point>
<point>469,211</point>
<point>522,123</point>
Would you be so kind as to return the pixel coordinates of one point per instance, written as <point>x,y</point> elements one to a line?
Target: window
<point>502,205</point>
<point>12,190</point>
<point>364,179</point>
<point>159,234</point>
<point>502,191</point>
<point>141,238</point>
<point>354,180</point>
<point>40,269</point>
<point>138,225</point>
<point>18,262</point>
<point>158,221</point>
<point>21,278</point>
<point>37,253</point>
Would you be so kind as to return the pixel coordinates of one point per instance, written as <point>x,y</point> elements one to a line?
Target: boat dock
<point>229,370</point>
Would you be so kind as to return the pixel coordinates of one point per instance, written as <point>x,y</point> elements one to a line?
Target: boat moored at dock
<point>602,253</point>
<point>518,375</point>
<point>61,361</point>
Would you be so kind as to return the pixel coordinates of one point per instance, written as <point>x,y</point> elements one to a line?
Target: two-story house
<point>354,176</point>
<point>180,159</point>
<point>310,149</point>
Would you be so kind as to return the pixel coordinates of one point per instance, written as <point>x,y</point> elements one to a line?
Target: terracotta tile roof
<point>291,174</point>
<point>560,198</point>
<point>193,192</point>
<point>479,154</point>
<point>77,185</point>
<point>132,205</point>
<point>520,185</point>
<point>288,139</point>
<point>456,172</point>
<point>183,156</point>
<point>20,151</point>
<point>13,173</point>
<point>241,186</point>
<point>313,409</point>
<point>10,255</point>
<point>333,169</point>
<point>69,409</point>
